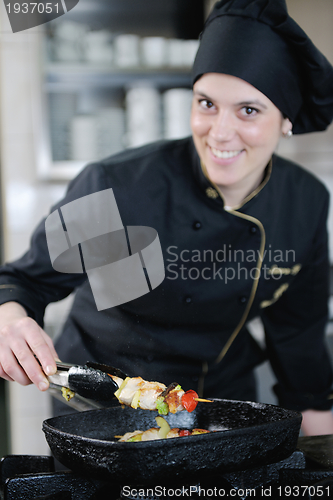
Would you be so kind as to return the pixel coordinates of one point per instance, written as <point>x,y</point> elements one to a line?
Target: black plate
<point>246,435</point>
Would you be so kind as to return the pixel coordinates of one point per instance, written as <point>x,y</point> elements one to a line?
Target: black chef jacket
<point>223,267</point>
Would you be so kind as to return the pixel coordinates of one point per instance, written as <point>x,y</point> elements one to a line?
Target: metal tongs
<point>91,383</point>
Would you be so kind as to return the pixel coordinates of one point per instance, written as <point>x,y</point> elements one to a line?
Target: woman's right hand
<point>22,343</point>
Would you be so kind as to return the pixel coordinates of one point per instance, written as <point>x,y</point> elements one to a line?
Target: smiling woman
<point>235,129</point>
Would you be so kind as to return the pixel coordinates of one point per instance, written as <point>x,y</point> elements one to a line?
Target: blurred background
<point>106,76</point>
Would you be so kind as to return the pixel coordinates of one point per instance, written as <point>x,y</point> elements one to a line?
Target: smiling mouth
<point>225,154</point>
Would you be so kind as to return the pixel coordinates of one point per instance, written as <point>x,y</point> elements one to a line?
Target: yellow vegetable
<point>67,393</point>
<point>164,427</point>
<point>136,400</point>
<point>117,393</point>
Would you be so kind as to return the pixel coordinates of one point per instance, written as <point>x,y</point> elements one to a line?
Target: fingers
<point>40,345</point>
<point>49,342</point>
<point>12,369</point>
<point>21,343</point>
<point>4,375</point>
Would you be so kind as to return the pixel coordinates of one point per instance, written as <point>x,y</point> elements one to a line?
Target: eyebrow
<point>242,103</point>
<point>250,103</point>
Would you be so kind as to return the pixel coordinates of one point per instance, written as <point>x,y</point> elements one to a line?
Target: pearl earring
<point>288,134</point>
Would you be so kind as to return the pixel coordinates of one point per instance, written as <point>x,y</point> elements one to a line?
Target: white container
<point>177,111</point>
<point>98,47</point>
<point>127,51</point>
<point>70,30</point>
<point>110,131</point>
<point>65,51</point>
<point>83,138</point>
<point>154,51</point>
<point>175,53</point>
<point>143,116</point>
<point>190,49</point>
<point>68,41</point>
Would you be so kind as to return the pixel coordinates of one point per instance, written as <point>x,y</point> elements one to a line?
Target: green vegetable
<point>161,406</point>
<point>134,438</point>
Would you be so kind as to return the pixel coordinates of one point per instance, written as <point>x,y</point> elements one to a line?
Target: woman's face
<point>235,129</point>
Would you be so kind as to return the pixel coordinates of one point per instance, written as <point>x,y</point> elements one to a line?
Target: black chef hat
<point>257,41</point>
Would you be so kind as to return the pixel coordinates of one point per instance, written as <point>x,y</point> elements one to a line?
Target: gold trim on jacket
<point>234,211</point>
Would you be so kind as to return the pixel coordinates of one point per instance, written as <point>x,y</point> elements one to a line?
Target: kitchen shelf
<point>61,170</point>
<point>80,89</point>
<point>68,77</point>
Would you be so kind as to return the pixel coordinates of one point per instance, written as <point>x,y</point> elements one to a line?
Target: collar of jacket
<point>211,189</point>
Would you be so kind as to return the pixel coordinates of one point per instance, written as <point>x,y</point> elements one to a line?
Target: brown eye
<point>206,104</point>
<point>248,111</point>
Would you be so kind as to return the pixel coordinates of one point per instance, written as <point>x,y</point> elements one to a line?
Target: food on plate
<point>139,393</point>
<point>162,432</point>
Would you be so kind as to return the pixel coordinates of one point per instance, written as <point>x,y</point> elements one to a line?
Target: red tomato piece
<point>184,432</point>
<point>189,400</point>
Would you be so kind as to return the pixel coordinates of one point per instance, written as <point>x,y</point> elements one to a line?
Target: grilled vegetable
<point>190,400</point>
<point>164,427</point>
<point>164,432</point>
<point>138,393</point>
<point>184,432</point>
<point>67,393</point>
<point>161,406</point>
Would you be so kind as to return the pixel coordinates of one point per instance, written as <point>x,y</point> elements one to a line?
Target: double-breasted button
<point>197,225</point>
<point>253,229</point>
<point>212,193</point>
<point>242,299</point>
<point>188,300</point>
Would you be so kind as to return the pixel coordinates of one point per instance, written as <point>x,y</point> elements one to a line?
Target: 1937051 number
<point>302,491</point>
<point>31,7</point>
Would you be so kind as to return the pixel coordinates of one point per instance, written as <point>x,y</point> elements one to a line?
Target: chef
<point>242,231</point>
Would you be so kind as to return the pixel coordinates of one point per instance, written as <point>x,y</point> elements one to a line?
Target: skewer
<point>189,393</point>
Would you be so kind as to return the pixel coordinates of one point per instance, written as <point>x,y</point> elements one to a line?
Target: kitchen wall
<point>25,198</point>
